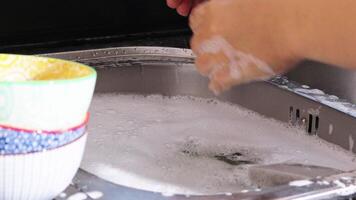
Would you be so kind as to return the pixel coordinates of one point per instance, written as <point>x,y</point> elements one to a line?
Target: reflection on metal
<point>331,79</point>
<point>170,71</point>
<point>334,187</point>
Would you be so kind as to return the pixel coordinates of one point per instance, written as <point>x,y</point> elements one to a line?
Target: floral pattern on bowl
<point>16,141</point>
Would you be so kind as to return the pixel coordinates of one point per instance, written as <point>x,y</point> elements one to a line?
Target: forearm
<point>238,41</point>
<point>325,30</point>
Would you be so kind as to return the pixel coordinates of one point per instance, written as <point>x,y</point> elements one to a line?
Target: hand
<point>183,7</point>
<point>238,41</point>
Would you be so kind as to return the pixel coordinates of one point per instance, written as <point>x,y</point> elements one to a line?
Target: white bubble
<point>189,145</point>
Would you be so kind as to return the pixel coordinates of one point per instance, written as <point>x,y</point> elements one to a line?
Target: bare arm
<point>238,41</point>
<point>327,30</point>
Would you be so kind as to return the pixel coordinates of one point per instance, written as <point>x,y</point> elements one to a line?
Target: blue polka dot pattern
<point>14,142</point>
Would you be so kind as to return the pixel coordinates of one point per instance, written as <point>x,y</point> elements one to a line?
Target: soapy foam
<point>186,145</point>
<point>301,183</point>
<point>239,63</point>
<point>78,196</point>
<point>95,194</point>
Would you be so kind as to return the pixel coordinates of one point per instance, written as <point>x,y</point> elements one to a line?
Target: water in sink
<point>189,145</point>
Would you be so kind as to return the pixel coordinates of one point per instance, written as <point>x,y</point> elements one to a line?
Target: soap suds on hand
<point>188,145</point>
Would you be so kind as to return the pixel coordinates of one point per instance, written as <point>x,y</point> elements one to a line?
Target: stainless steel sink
<point>170,71</point>
<point>144,70</point>
<point>330,79</point>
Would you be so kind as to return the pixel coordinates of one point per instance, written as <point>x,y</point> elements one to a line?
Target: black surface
<point>178,38</point>
<point>29,24</point>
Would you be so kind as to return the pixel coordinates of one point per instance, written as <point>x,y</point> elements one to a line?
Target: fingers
<point>206,63</point>
<point>219,68</point>
<point>225,65</point>
<point>196,43</point>
<point>227,50</point>
<point>216,57</point>
<point>217,79</point>
<point>215,87</point>
<point>221,79</point>
<point>211,64</point>
<point>173,3</point>
<point>185,7</point>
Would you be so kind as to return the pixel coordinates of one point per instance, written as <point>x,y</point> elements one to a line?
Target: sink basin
<point>170,72</point>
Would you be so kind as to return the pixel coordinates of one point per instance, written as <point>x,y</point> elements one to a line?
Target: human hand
<point>183,7</point>
<point>238,41</point>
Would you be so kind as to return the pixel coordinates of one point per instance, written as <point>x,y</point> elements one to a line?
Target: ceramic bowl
<point>38,93</point>
<point>41,175</point>
<point>15,141</point>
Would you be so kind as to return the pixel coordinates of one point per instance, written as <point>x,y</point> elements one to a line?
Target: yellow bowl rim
<point>92,75</point>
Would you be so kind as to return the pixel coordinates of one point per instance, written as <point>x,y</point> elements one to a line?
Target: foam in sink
<point>186,145</point>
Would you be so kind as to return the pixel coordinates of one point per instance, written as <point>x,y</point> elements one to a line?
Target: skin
<point>230,35</point>
<point>183,7</point>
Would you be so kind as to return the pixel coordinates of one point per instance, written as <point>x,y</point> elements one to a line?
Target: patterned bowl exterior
<point>40,175</point>
<point>16,141</point>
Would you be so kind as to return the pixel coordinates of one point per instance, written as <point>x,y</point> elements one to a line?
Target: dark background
<point>38,24</point>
